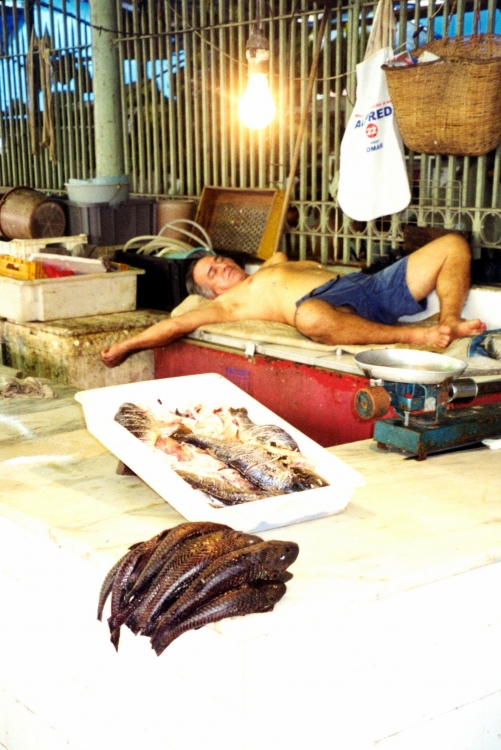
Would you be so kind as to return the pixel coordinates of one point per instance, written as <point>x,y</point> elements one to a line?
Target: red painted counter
<point>316,401</point>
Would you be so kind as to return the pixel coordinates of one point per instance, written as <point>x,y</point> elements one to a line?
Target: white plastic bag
<point>373,179</point>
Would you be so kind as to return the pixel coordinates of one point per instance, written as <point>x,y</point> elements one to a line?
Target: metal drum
<point>26,214</point>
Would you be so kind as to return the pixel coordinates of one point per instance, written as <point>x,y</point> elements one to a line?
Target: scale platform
<point>420,387</point>
<point>422,434</point>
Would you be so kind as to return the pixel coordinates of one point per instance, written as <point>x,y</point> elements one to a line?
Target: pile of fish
<point>223,453</point>
<point>191,575</point>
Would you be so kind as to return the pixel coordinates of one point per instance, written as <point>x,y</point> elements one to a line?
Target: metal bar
<point>242,82</point>
<point>67,120</point>
<point>147,104</point>
<point>281,98</point>
<point>156,63</point>
<point>18,107</point>
<point>180,185</point>
<point>86,88</point>
<point>304,115</point>
<point>214,114</point>
<point>206,123</point>
<point>232,98</point>
<point>130,110</point>
<point>123,98</point>
<point>222,119</point>
<point>197,113</point>
<point>188,76</point>
<point>140,114</point>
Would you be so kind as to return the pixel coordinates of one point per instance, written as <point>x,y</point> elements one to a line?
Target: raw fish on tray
<point>223,453</point>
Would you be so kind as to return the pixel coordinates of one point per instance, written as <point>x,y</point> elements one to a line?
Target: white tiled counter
<point>389,636</point>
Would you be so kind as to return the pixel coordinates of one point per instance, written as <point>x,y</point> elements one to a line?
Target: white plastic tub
<point>112,190</point>
<point>100,406</point>
<point>69,296</point>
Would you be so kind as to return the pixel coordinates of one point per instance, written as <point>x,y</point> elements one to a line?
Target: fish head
<point>276,556</point>
<point>289,553</point>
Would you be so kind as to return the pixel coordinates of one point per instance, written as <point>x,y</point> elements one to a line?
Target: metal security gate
<point>183,69</point>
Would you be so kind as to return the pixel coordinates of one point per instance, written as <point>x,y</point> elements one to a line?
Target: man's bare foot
<point>460,328</point>
<point>439,336</point>
<point>114,355</point>
<point>443,334</point>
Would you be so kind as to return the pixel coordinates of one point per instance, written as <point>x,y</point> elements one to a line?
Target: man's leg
<point>444,265</point>
<point>325,324</point>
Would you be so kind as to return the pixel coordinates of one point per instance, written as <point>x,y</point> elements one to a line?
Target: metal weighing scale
<point>420,386</point>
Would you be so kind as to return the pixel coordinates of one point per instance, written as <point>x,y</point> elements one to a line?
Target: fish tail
<point>115,637</point>
<point>166,636</point>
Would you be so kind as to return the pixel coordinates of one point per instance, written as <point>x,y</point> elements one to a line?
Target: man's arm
<point>277,257</point>
<point>166,331</point>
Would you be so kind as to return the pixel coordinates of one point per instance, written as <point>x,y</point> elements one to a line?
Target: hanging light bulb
<point>257,108</point>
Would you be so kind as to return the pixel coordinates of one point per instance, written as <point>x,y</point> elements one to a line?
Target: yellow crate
<point>24,270</point>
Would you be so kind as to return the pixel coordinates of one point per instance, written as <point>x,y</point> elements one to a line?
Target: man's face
<point>218,273</point>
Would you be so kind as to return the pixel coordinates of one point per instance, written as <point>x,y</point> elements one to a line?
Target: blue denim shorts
<point>383,297</point>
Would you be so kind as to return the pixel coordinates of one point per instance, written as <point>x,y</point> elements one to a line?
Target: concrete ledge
<point>68,351</point>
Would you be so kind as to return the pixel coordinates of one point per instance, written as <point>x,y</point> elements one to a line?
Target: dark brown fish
<point>125,576</point>
<point>256,464</point>
<point>241,601</point>
<point>139,422</point>
<point>223,491</point>
<point>179,571</point>
<point>168,546</point>
<point>266,561</point>
<point>108,582</point>
<point>266,434</point>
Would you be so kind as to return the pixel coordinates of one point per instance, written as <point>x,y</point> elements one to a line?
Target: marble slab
<point>388,636</point>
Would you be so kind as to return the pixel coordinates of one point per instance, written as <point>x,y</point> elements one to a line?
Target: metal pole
<point>106,86</point>
<point>302,124</point>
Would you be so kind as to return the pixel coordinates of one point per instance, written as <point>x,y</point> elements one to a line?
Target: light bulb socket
<point>257,52</point>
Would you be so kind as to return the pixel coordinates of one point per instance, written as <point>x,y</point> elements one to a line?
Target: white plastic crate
<point>68,297</point>
<point>25,248</point>
<point>100,406</point>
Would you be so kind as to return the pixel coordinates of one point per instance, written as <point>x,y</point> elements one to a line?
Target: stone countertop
<point>413,523</point>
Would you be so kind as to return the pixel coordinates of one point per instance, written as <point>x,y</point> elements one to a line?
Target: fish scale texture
<point>194,574</point>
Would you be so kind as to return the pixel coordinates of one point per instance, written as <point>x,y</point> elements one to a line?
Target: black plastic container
<point>162,287</point>
<point>107,226</point>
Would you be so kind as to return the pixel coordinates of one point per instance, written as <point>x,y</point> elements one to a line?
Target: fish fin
<point>115,637</point>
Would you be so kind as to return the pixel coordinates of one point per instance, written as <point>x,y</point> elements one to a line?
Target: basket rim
<point>444,60</point>
<point>460,41</point>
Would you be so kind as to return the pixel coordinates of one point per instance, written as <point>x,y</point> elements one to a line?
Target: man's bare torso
<point>272,292</point>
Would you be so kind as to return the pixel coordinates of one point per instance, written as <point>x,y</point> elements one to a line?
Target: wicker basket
<point>450,106</point>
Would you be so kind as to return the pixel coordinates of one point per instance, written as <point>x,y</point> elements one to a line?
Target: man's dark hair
<point>191,285</point>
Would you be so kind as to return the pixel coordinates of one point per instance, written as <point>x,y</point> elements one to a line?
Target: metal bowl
<point>409,366</point>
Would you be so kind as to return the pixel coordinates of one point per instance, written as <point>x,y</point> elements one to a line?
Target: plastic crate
<point>25,248</point>
<point>24,270</point>
<point>241,219</point>
<point>67,297</point>
<point>106,225</point>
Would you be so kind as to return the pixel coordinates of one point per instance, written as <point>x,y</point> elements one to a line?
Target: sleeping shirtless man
<point>353,309</point>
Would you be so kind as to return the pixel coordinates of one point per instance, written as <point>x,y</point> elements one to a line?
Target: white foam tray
<point>101,404</point>
<point>68,296</point>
